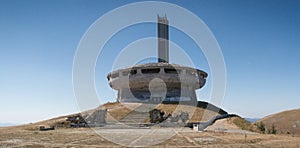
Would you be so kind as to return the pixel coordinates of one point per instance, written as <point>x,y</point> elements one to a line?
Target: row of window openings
<point>145,71</point>
<point>151,71</point>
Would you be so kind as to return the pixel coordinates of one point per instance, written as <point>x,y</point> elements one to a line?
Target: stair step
<point>138,115</point>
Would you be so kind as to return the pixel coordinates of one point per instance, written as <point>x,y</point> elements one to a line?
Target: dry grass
<point>85,137</point>
<point>243,124</point>
<point>30,136</point>
<point>197,114</point>
<point>117,111</point>
<point>285,122</point>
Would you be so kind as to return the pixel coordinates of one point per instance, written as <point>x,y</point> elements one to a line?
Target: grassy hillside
<point>243,124</point>
<point>287,122</point>
<point>202,112</point>
<point>116,111</point>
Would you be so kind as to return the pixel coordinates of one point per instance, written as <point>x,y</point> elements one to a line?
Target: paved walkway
<point>139,137</point>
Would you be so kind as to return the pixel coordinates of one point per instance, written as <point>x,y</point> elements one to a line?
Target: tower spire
<point>163,38</point>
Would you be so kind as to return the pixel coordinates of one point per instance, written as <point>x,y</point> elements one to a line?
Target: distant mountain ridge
<point>251,120</point>
<point>7,124</point>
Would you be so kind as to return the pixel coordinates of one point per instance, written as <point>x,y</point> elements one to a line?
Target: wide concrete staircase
<point>139,115</point>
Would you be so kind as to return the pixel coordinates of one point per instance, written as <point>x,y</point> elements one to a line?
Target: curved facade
<point>156,82</point>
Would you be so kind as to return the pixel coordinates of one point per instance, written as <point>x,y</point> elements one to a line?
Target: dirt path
<point>161,137</point>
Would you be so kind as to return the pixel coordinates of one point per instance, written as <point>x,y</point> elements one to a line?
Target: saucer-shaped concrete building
<point>158,82</point>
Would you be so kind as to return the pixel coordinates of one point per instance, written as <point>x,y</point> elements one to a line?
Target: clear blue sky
<point>260,41</point>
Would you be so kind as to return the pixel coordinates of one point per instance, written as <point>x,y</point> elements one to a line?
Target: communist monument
<point>160,81</point>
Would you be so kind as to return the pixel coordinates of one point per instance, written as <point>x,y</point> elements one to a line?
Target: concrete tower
<point>163,39</point>
<point>158,82</point>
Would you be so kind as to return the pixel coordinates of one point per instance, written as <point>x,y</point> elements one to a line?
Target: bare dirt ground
<point>155,137</point>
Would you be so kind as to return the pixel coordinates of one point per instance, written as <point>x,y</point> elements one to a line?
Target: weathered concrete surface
<point>157,82</point>
<point>138,137</point>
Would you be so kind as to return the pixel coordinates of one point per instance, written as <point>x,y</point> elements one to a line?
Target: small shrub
<point>261,127</point>
<point>273,130</point>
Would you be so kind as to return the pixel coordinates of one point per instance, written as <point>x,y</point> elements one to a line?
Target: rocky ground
<point>165,137</point>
